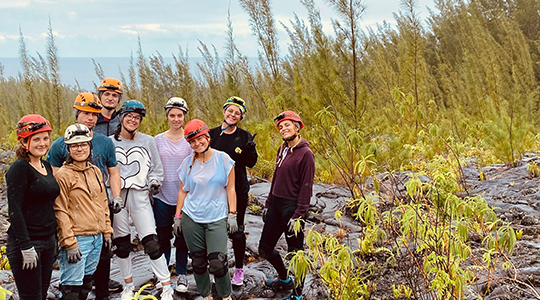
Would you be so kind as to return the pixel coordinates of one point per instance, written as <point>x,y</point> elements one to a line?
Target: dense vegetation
<point>423,95</point>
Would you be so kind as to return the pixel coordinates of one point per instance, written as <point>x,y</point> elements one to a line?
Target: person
<point>142,173</point>
<point>206,209</point>
<point>82,213</point>
<point>172,148</point>
<point>288,200</point>
<point>31,191</point>
<point>110,92</point>
<point>239,145</point>
<point>87,107</point>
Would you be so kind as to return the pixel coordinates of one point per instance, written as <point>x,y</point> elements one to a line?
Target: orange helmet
<point>32,124</point>
<point>194,129</point>
<point>111,84</point>
<point>288,115</point>
<point>87,102</point>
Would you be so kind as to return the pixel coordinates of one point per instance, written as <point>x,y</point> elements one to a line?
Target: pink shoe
<point>238,278</point>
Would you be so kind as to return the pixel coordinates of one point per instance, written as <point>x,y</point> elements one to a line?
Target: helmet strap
<point>228,125</point>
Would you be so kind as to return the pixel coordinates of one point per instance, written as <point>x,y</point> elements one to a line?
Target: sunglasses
<point>237,101</point>
<point>33,127</point>
<point>283,116</point>
<point>76,133</point>
<point>194,133</point>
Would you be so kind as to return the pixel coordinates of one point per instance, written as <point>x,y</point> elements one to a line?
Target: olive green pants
<point>203,241</point>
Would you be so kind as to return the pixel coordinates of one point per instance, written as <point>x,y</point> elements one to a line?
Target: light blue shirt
<point>206,200</point>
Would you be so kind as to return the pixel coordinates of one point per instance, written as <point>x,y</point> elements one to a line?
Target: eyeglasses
<point>135,117</point>
<point>84,146</point>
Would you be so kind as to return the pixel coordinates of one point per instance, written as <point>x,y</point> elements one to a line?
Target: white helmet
<point>176,102</point>
<point>77,133</point>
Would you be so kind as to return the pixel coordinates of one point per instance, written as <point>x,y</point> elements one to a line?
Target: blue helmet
<point>133,106</point>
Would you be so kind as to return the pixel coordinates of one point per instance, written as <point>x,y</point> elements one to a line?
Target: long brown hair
<point>21,152</point>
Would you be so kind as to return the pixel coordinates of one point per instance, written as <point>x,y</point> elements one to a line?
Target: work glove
<point>30,258</point>
<point>264,213</point>
<point>251,144</point>
<point>74,255</point>
<point>107,243</point>
<point>290,225</point>
<point>177,229</point>
<point>155,187</point>
<point>117,204</point>
<point>232,224</point>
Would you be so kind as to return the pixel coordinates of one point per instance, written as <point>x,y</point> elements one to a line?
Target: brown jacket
<point>82,207</point>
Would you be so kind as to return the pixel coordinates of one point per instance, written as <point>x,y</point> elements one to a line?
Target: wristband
<point>178,215</point>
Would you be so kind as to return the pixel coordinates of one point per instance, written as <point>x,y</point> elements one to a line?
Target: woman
<point>31,191</point>
<point>141,173</point>
<point>82,213</point>
<point>239,145</point>
<point>207,201</point>
<point>288,199</point>
<point>172,148</point>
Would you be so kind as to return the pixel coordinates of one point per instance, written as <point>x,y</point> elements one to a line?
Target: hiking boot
<point>181,284</point>
<point>292,297</point>
<point>167,294</point>
<point>127,293</point>
<point>115,286</point>
<point>278,284</point>
<point>238,278</point>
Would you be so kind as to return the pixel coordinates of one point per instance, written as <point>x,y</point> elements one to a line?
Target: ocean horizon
<point>81,69</point>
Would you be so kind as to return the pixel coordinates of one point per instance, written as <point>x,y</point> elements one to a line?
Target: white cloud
<point>14,4</point>
<point>143,28</point>
<point>2,38</point>
<point>55,34</point>
<point>72,16</point>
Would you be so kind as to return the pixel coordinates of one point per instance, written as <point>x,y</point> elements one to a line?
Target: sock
<point>167,287</point>
<point>129,284</point>
<point>286,280</point>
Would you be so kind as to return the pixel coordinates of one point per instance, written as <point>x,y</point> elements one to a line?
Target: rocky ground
<point>512,190</point>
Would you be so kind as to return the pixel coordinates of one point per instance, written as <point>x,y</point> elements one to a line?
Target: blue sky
<point>101,28</point>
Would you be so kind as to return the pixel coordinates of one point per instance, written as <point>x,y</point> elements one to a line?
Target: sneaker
<point>278,284</point>
<point>238,278</point>
<point>181,284</point>
<point>115,286</point>
<point>127,293</point>
<point>292,297</point>
<point>167,294</point>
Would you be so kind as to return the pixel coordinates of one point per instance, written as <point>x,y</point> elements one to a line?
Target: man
<point>87,107</point>
<point>110,93</point>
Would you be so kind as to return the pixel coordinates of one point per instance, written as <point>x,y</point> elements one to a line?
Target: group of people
<point>188,183</point>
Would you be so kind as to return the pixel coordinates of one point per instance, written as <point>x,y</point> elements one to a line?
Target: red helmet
<point>194,129</point>
<point>288,115</point>
<point>32,124</point>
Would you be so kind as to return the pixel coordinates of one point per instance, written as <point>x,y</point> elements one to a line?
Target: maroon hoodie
<point>293,176</point>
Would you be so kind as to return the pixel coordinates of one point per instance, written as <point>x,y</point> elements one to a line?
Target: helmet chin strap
<point>228,125</point>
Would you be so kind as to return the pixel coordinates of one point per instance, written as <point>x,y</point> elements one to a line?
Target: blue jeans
<point>73,274</point>
<point>164,216</point>
<point>32,284</point>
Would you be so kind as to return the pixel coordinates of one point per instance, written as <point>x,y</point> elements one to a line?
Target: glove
<point>290,224</point>
<point>117,204</point>
<point>251,144</point>
<point>177,229</point>
<point>264,212</point>
<point>232,224</point>
<point>107,243</point>
<point>155,187</point>
<point>30,258</point>
<point>74,255</point>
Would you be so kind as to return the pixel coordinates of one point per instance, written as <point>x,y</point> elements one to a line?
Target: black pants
<point>32,284</point>
<point>280,212</point>
<point>103,271</point>
<point>239,238</point>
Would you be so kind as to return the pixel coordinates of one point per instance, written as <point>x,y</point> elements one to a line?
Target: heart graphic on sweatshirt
<point>134,166</point>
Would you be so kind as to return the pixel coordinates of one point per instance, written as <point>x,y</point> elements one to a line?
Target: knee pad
<point>164,236</point>
<point>151,246</point>
<point>199,261</point>
<point>123,246</point>
<point>218,264</point>
<point>239,235</point>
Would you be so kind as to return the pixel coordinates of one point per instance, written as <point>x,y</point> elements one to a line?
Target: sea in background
<point>81,69</point>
